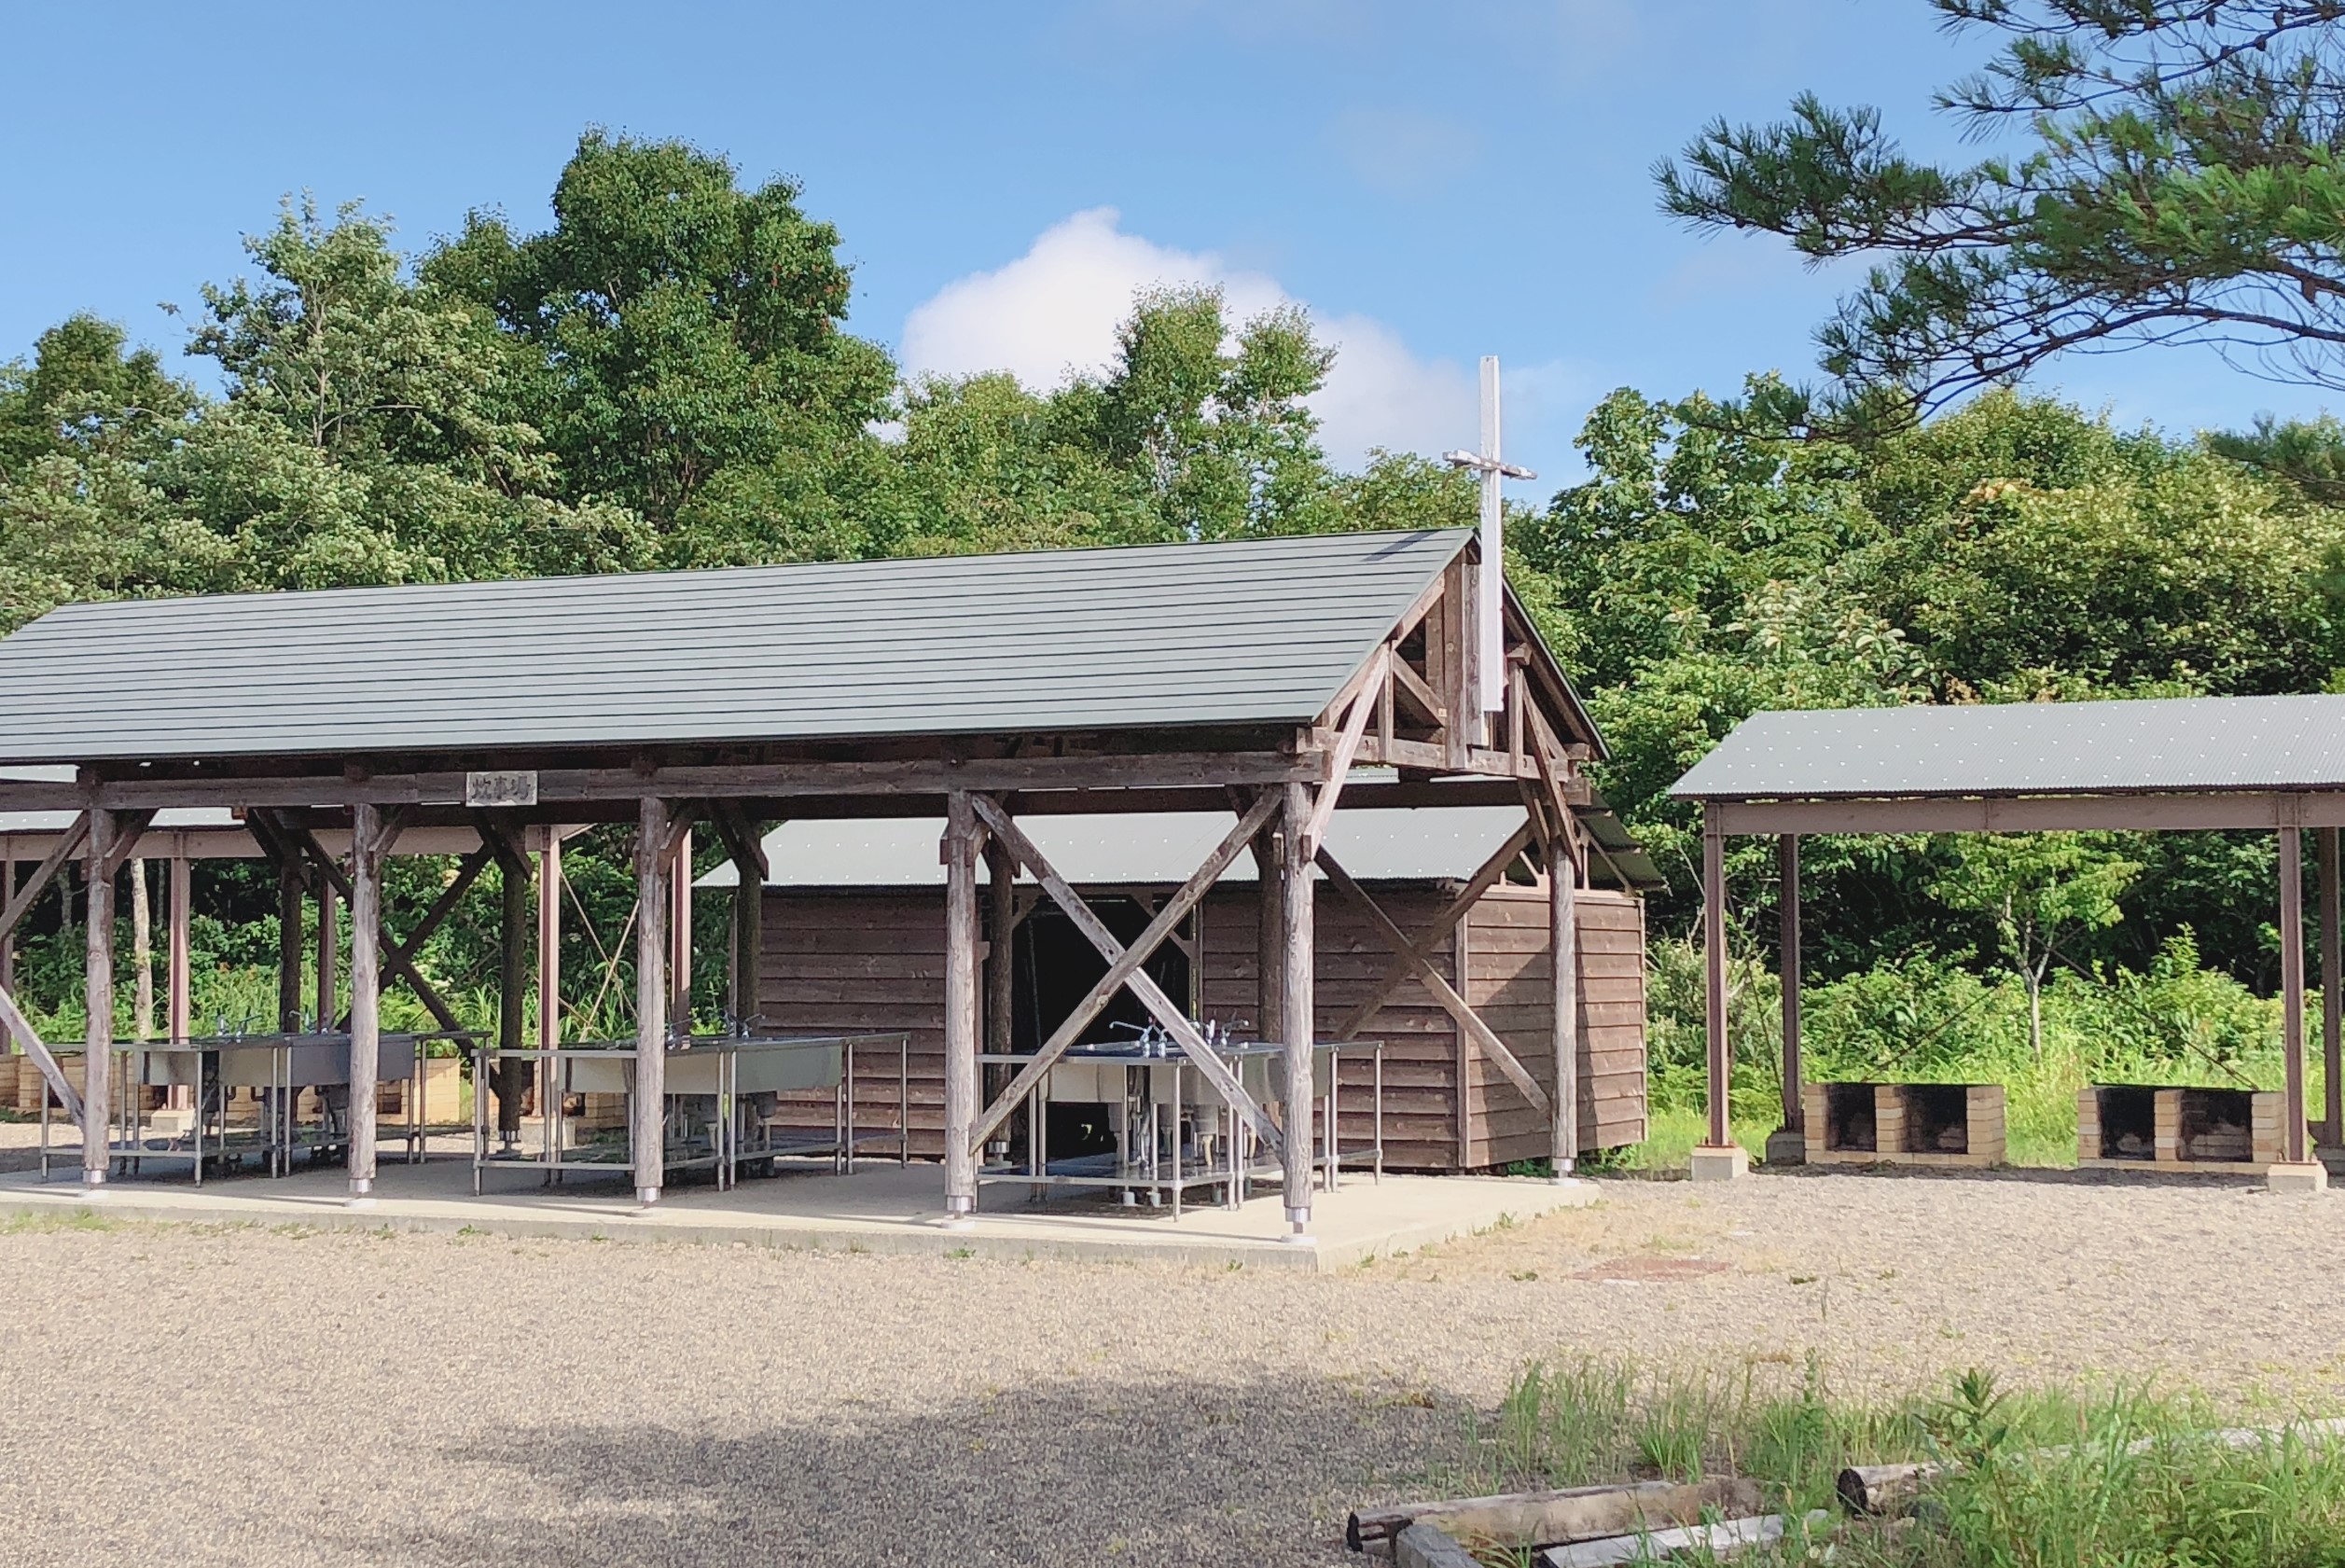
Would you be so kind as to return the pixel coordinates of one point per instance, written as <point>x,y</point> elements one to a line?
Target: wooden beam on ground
<point>15,1025</point>
<point>97,1077</point>
<point>1419,952</point>
<point>648,1131</point>
<point>1176,1022</point>
<point>1432,980</point>
<point>1124,963</point>
<point>30,889</point>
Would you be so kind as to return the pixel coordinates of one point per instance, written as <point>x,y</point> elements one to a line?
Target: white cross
<point>1490,591</point>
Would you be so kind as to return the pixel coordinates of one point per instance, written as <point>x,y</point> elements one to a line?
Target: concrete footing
<point>2308,1177</point>
<point>1715,1164</point>
<point>1786,1147</point>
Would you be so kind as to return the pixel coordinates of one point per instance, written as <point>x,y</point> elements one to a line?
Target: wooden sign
<point>518,788</point>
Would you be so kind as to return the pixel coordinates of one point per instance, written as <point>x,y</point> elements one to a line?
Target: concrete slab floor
<point>882,1207</point>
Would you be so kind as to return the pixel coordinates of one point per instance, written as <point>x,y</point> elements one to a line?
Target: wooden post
<point>368,848</point>
<point>289,944</point>
<point>513,1074</point>
<point>1461,1055</point>
<point>1787,854</point>
<point>749,941</point>
<point>329,955</point>
<point>142,954</point>
<point>1563,955</point>
<point>97,1083</point>
<point>1270,980</point>
<point>7,939</point>
<point>2291,1126</point>
<point>648,1122</point>
<point>1717,1158</point>
<point>1001,934</point>
<point>549,942</point>
<point>2332,1005</point>
<point>178,971</point>
<point>960,850</point>
<point>680,935</point>
<point>1295,1010</point>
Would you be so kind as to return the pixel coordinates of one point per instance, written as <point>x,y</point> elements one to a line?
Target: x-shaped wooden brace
<point>398,956</point>
<point>12,1020</point>
<point>1415,957</point>
<point>1124,969</point>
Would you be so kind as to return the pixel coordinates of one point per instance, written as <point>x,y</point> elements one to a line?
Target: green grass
<point>2073,1477</point>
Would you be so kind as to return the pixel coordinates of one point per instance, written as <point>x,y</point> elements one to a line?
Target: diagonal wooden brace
<point>14,1022</point>
<point>1176,1023</point>
<point>394,955</point>
<point>1121,966</point>
<point>1443,992</point>
<point>68,845</point>
<point>1431,937</point>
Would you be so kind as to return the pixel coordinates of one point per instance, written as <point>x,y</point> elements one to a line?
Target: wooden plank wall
<point>856,962</point>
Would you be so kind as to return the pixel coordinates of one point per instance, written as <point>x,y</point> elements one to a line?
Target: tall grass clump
<point>2078,1476</point>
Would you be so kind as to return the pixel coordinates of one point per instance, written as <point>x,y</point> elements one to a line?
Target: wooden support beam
<point>1563,970</point>
<point>1269,983</point>
<point>1435,981</point>
<point>371,836</point>
<point>549,943</point>
<point>97,1079</point>
<point>29,892</point>
<point>130,828</point>
<point>2332,1004</point>
<point>963,1134</point>
<point>8,939</point>
<point>1713,939</point>
<point>178,960</point>
<point>1787,859</point>
<point>513,1074</point>
<point>1127,961</point>
<point>397,959</point>
<point>1143,985</point>
<point>1419,952</point>
<point>680,933</point>
<point>743,842</point>
<point>16,1026</point>
<point>1297,1009</point>
<point>1346,748</point>
<point>1001,934</point>
<point>329,953</point>
<point>291,941</point>
<point>655,862</point>
<point>142,954</point>
<point>2292,1124</point>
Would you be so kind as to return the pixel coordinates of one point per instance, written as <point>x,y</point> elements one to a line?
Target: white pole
<point>1489,599</point>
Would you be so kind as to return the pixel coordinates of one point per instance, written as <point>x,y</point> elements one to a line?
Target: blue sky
<point>1433,182</point>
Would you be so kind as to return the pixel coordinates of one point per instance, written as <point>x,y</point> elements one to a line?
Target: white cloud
<point>1053,312</point>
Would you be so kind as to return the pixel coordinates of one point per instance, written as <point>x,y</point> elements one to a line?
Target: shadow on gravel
<point>1093,1473</point>
<point>2033,1176</point>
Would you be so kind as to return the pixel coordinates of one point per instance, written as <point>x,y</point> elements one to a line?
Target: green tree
<point>680,324</point>
<point>2038,889</point>
<point>2180,183</point>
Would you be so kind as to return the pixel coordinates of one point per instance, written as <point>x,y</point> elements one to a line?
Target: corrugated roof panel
<point>1251,631</point>
<point>2195,744</point>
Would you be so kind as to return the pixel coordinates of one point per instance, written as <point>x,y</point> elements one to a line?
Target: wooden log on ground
<point>1696,1543</point>
<point>1892,1489</point>
<point>1538,1518</point>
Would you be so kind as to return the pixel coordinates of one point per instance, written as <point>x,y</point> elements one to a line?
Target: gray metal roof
<point>1251,631</point>
<point>2166,745</point>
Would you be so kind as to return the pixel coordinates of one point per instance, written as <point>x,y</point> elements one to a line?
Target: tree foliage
<point>2179,180</point>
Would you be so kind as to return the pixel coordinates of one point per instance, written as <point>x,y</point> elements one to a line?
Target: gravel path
<point>233,1396</point>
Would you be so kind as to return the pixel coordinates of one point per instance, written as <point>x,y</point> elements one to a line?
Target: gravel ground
<point>203,1395</point>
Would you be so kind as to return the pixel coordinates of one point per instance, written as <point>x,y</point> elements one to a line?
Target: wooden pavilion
<point>2267,764</point>
<point>1249,680</point>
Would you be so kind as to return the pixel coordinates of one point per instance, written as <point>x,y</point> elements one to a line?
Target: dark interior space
<point>1848,1118</point>
<point>2129,1122</point>
<point>1937,1118</point>
<point>1053,966</point>
<point>2218,1124</point>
